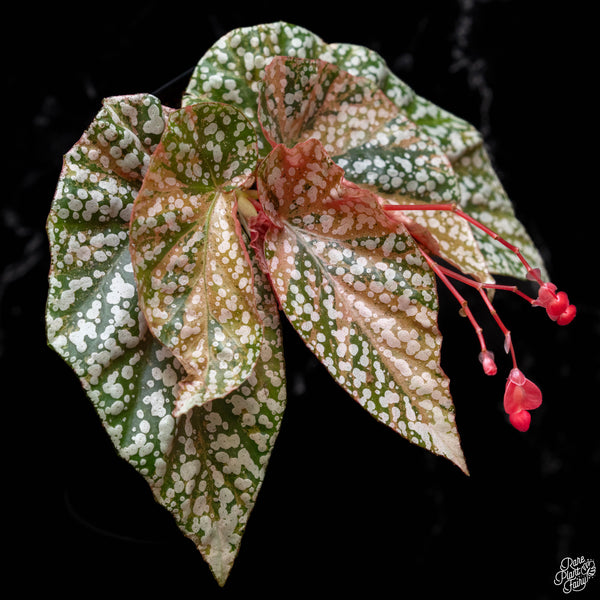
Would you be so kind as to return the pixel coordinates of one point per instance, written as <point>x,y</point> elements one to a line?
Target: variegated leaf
<point>306,98</point>
<point>355,287</point>
<point>484,198</point>
<point>207,466</point>
<point>192,268</point>
<point>216,465</point>
<point>92,304</point>
<point>482,194</point>
<point>232,68</point>
<point>380,149</point>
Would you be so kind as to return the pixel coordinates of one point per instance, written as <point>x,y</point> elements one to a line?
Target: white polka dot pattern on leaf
<point>379,149</point>
<point>231,71</point>
<point>355,287</point>
<point>195,280</point>
<point>208,466</point>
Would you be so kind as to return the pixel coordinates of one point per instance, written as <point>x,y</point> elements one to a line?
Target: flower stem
<point>492,286</point>
<point>443,273</point>
<point>451,207</point>
<point>508,345</point>
<point>438,270</point>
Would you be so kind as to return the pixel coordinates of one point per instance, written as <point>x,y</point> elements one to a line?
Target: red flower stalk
<point>557,305</point>
<point>520,396</point>
<point>485,356</point>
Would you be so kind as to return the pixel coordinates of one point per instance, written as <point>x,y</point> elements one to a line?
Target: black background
<point>347,505</point>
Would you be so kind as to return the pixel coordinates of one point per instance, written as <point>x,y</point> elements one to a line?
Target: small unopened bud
<point>507,342</point>
<point>245,206</point>
<point>567,316</point>
<point>486,358</point>
<point>520,420</point>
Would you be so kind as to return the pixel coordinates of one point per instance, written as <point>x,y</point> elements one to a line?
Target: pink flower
<point>546,294</point>
<point>520,396</point>
<point>556,304</point>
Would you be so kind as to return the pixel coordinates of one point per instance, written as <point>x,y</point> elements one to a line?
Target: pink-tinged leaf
<point>355,287</point>
<point>302,99</point>
<point>232,69</point>
<point>482,194</point>
<point>207,466</point>
<point>379,148</point>
<point>192,269</point>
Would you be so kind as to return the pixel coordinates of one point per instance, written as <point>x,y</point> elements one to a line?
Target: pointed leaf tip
<point>354,286</point>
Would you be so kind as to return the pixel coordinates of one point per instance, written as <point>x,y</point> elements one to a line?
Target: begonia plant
<point>298,180</point>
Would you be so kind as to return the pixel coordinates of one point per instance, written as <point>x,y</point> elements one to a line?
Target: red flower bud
<point>567,316</point>
<point>486,358</point>
<point>557,305</point>
<point>520,420</point>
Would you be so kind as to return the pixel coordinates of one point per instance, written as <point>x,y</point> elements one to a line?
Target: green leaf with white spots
<point>379,149</point>
<point>481,193</point>
<point>356,288</point>
<point>307,98</point>
<point>484,198</point>
<point>205,467</point>
<point>192,269</point>
<point>92,312</point>
<point>216,466</point>
<point>232,68</point>
<point>231,71</point>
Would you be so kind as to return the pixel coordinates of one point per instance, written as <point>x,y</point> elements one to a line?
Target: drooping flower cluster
<point>521,395</point>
